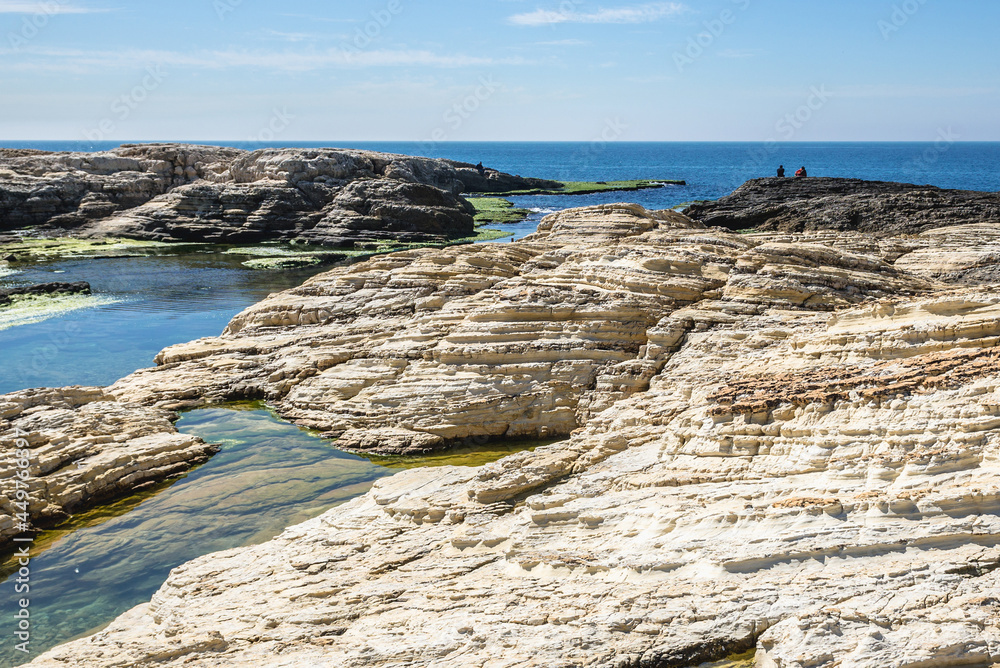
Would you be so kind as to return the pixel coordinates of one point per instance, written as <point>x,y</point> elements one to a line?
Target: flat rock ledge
<point>207,194</point>
<point>874,207</point>
<point>717,487</point>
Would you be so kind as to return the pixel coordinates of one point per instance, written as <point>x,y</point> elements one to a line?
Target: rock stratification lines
<point>784,441</point>
<point>207,194</point>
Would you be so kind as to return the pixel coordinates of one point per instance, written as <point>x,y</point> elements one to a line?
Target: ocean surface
<point>147,304</point>
<point>270,475</point>
<point>711,169</point>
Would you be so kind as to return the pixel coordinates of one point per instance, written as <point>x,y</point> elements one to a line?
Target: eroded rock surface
<point>873,207</point>
<point>784,441</point>
<point>85,448</point>
<point>178,192</point>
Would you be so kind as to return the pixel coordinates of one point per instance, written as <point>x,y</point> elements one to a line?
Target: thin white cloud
<point>564,42</point>
<point>72,60</point>
<point>51,8</point>
<point>647,13</point>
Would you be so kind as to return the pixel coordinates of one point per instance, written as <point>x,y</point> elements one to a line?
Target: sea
<point>146,304</point>
<point>270,474</point>
<point>711,169</point>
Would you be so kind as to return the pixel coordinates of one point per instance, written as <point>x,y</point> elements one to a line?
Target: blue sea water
<point>161,301</point>
<point>116,558</point>
<point>712,169</point>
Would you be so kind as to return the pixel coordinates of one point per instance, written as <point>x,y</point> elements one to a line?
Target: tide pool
<point>268,476</point>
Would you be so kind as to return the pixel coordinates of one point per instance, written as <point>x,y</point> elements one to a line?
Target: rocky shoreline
<point>785,440</point>
<point>873,207</point>
<point>206,194</point>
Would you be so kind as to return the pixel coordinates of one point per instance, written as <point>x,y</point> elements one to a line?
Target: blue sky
<point>450,70</point>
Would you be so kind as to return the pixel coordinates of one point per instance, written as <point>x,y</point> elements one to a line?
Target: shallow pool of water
<point>140,306</point>
<point>269,475</point>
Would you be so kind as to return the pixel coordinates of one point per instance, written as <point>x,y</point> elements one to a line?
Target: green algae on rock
<point>43,249</point>
<point>497,210</point>
<point>31,310</point>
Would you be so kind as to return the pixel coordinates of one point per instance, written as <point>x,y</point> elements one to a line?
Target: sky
<point>499,70</point>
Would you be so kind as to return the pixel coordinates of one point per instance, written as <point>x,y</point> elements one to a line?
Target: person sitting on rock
<point>801,172</point>
<point>481,169</point>
<point>781,171</point>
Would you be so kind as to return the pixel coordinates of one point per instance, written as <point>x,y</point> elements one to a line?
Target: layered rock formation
<point>85,448</point>
<point>787,441</point>
<point>175,192</point>
<point>873,207</point>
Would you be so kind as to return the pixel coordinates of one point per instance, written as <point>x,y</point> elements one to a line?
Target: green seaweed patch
<point>497,210</point>
<point>287,262</point>
<point>46,249</point>
<point>592,187</point>
<point>30,310</point>
<point>684,206</point>
<point>461,456</point>
<point>483,235</point>
<point>744,660</point>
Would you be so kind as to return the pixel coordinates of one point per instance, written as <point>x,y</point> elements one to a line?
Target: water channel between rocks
<point>268,476</point>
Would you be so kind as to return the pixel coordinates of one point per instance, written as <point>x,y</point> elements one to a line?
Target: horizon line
<point>288,143</point>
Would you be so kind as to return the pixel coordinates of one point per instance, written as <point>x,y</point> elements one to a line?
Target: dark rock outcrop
<point>44,289</point>
<point>492,181</point>
<point>177,192</point>
<point>876,207</point>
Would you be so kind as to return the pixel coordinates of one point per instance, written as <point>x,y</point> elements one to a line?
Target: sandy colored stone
<point>781,441</point>
<point>84,448</point>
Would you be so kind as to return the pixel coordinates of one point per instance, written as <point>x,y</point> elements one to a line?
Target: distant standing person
<point>781,171</point>
<point>801,172</point>
<point>481,169</point>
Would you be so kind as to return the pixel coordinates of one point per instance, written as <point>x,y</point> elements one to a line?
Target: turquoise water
<point>146,304</point>
<point>268,476</point>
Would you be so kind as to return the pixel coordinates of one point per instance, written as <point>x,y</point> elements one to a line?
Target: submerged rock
<point>783,441</point>
<point>43,289</point>
<point>179,192</point>
<point>84,448</point>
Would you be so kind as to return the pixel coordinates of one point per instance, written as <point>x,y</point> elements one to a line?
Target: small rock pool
<point>268,476</point>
